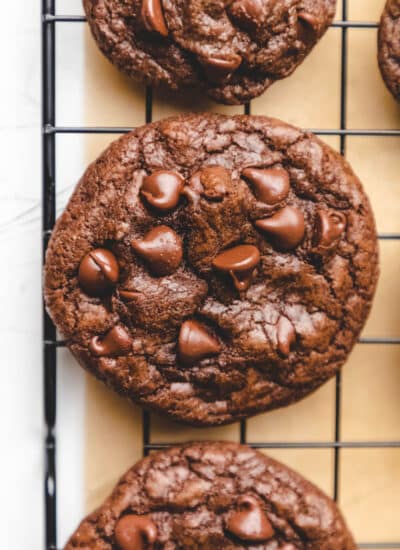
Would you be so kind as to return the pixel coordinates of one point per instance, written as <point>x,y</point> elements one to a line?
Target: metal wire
<point>48,219</point>
<point>50,130</point>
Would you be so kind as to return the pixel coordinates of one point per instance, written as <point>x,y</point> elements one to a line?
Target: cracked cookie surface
<point>389,46</point>
<point>210,496</point>
<point>234,49</point>
<point>211,268</point>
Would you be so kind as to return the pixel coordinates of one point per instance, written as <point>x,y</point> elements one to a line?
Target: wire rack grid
<point>50,130</point>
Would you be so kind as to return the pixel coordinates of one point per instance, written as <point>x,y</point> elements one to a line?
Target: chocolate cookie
<point>389,46</point>
<point>212,267</point>
<point>213,496</point>
<point>234,49</point>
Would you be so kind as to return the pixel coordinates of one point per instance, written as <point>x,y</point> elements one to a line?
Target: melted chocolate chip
<point>153,17</point>
<point>162,189</point>
<point>215,182</point>
<point>196,343</point>
<point>328,229</point>
<point>116,342</point>
<point>250,523</point>
<point>162,250</point>
<point>240,262</point>
<point>286,335</point>
<point>135,533</point>
<point>270,185</point>
<point>219,69</point>
<point>247,13</point>
<point>98,272</point>
<point>285,229</point>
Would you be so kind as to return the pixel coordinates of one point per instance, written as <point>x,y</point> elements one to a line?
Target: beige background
<point>369,478</point>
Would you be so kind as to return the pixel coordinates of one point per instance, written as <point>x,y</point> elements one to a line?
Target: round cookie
<point>389,46</point>
<point>211,267</point>
<point>210,496</point>
<point>234,49</point>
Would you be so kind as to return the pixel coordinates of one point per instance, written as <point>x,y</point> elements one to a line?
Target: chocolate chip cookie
<point>213,496</point>
<point>211,267</point>
<point>234,49</point>
<point>389,46</point>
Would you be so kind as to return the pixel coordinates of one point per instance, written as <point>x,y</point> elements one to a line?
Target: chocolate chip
<point>135,533</point>
<point>128,295</point>
<point>153,17</point>
<point>250,523</point>
<point>162,250</point>
<point>215,182</point>
<point>219,69</point>
<point>270,185</point>
<point>240,262</point>
<point>116,342</point>
<point>307,27</point>
<point>285,229</point>
<point>286,335</point>
<point>247,13</point>
<point>162,189</point>
<point>98,272</point>
<point>329,227</point>
<point>196,343</point>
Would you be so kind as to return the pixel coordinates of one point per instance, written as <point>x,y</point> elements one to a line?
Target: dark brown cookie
<point>234,49</point>
<point>389,46</point>
<point>211,268</point>
<point>213,496</point>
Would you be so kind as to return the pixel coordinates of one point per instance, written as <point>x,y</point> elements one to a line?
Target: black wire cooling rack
<point>50,130</point>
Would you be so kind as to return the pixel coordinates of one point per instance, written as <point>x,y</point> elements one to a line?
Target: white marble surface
<point>21,398</point>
